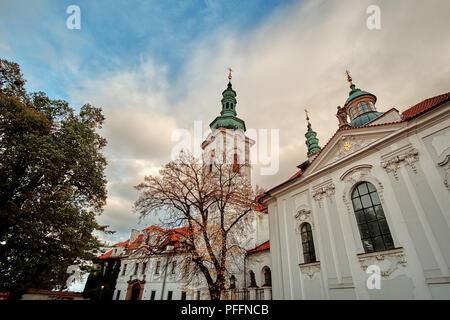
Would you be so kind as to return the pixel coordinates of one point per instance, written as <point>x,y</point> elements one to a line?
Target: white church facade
<point>367,216</point>
<point>364,217</point>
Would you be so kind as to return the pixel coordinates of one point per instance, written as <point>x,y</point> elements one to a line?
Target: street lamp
<point>101,291</point>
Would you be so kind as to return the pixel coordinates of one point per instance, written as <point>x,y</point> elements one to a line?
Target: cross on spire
<point>349,78</point>
<point>229,73</point>
<point>307,118</point>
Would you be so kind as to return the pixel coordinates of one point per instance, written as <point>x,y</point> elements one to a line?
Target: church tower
<point>360,105</point>
<point>312,142</point>
<point>227,141</point>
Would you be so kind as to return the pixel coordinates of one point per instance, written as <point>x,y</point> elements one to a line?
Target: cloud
<point>294,60</point>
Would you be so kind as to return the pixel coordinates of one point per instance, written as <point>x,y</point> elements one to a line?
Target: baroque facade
<point>159,276</point>
<point>366,216</point>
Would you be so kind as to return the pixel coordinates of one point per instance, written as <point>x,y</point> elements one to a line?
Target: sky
<point>158,66</point>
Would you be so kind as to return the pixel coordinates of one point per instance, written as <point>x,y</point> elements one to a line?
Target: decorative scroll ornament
<point>303,215</point>
<point>350,144</point>
<point>407,156</point>
<point>324,190</point>
<point>387,261</point>
<point>310,269</point>
<point>445,163</point>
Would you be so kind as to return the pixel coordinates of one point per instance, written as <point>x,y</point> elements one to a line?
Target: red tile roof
<point>155,228</point>
<point>408,114</point>
<point>425,105</point>
<point>106,255</point>
<point>123,244</point>
<point>259,207</point>
<point>175,237</point>
<point>136,243</point>
<point>261,247</point>
<point>55,293</point>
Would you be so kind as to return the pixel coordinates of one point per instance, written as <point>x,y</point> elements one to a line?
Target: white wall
<point>415,200</point>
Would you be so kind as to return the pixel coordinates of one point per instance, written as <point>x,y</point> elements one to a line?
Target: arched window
<point>309,253</point>
<point>232,282</point>
<point>352,113</point>
<point>267,277</point>
<point>235,163</point>
<point>372,224</point>
<point>363,107</point>
<point>252,279</point>
<point>227,105</point>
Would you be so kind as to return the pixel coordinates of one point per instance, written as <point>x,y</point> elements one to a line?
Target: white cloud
<point>294,60</point>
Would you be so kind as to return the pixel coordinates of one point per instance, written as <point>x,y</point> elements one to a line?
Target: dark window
<point>252,279</point>
<point>118,295</point>
<point>372,224</point>
<point>363,107</point>
<point>157,267</point>
<point>136,269</point>
<point>183,295</point>
<point>232,282</point>
<point>198,295</point>
<point>144,266</point>
<point>152,296</point>
<point>352,113</point>
<point>169,295</point>
<point>267,277</point>
<point>124,269</point>
<point>227,105</point>
<point>174,265</point>
<point>309,253</point>
<point>235,163</point>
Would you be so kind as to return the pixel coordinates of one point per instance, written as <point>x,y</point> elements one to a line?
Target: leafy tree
<point>52,185</point>
<point>214,204</point>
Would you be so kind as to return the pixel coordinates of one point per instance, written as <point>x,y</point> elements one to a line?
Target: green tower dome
<point>228,118</point>
<point>356,92</point>
<point>311,139</point>
<point>360,105</point>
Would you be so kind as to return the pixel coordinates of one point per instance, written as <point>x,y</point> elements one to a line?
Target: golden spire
<point>229,73</point>
<point>349,78</point>
<point>307,118</point>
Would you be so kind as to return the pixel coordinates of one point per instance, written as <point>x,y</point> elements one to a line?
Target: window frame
<point>309,241</point>
<point>158,265</point>
<point>174,266</point>
<point>367,215</point>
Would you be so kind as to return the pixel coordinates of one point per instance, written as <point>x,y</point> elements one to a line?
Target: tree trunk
<point>215,293</point>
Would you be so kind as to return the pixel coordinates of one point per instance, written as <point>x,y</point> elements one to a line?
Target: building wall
<point>415,198</point>
<point>256,262</point>
<point>160,283</point>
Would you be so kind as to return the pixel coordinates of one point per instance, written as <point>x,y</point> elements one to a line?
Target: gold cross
<point>229,74</point>
<point>349,78</point>
<point>307,118</point>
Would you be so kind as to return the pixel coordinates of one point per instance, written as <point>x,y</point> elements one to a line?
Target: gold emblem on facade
<point>347,146</point>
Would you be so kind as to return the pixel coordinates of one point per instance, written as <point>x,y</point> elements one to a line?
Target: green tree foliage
<point>52,185</point>
<point>106,277</point>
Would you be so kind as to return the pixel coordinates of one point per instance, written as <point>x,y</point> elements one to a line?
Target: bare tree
<point>208,209</point>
